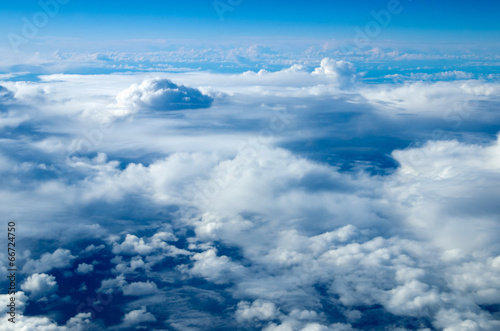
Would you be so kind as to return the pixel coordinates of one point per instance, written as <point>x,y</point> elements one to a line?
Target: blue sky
<point>297,166</point>
<point>431,20</point>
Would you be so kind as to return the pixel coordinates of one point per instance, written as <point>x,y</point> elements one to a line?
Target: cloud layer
<point>296,199</point>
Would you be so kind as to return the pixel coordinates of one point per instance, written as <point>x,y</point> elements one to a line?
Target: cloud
<point>341,72</point>
<point>21,301</point>
<point>5,94</point>
<point>162,94</point>
<point>138,316</point>
<point>440,99</point>
<point>237,231</point>
<point>79,322</point>
<point>84,268</point>
<point>60,258</point>
<point>40,285</point>
<point>461,179</point>
<point>260,310</point>
<point>92,248</point>
<point>218,269</point>
<point>445,75</point>
<point>140,288</point>
<point>108,285</point>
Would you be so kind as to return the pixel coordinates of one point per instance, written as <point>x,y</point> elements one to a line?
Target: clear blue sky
<point>112,19</point>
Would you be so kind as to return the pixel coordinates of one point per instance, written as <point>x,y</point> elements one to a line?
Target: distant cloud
<point>445,75</point>
<point>162,94</point>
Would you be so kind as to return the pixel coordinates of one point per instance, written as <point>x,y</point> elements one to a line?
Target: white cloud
<point>20,298</point>
<point>341,72</point>
<point>162,94</point>
<point>447,191</point>
<point>280,233</point>
<point>138,316</point>
<point>453,320</point>
<point>132,245</point>
<point>218,269</point>
<point>84,268</point>
<point>60,258</point>
<point>79,322</point>
<point>40,285</point>
<point>92,248</point>
<point>445,75</point>
<point>140,288</point>
<point>108,285</point>
<point>260,310</point>
<point>439,99</point>
<point>82,321</point>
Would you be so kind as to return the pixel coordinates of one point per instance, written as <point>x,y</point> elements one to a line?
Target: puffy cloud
<point>60,258</point>
<point>82,321</point>
<point>79,322</point>
<point>21,300</point>
<point>140,288</point>
<point>162,94</point>
<point>412,298</point>
<point>451,320</point>
<point>84,268</point>
<point>461,179</point>
<point>341,72</point>
<point>138,316</point>
<point>108,285</point>
<point>40,285</point>
<point>132,245</point>
<point>218,269</point>
<point>92,248</point>
<point>260,310</point>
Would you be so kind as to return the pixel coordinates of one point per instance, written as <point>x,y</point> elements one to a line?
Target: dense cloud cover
<point>295,199</point>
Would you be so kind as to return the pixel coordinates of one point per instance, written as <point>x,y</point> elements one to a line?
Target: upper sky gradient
<point>215,20</point>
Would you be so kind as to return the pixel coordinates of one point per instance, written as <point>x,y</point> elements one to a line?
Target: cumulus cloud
<point>260,310</point>
<point>138,316</point>
<point>60,258</point>
<point>21,301</point>
<point>140,288</point>
<point>40,285</point>
<point>108,285</point>
<point>79,322</point>
<point>84,268</point>
<point>162,94</point>
<point>341,72</point>
<point>218,269</point>
<point>460,178</point>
